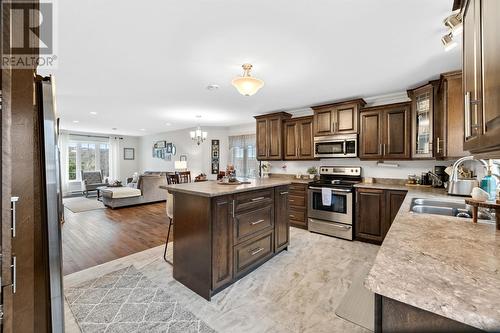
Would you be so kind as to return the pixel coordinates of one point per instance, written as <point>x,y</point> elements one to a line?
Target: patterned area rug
<point>82,204</point>
<point>127,301</point>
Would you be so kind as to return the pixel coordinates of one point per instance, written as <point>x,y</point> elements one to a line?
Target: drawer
<point>251,222</point>
<point>297,200</point>
<point>253,199</point>
<point>297,214</point>
<point>251,253</point>
<point>301,188</point>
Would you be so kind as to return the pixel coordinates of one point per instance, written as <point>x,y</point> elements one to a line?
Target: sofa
<point>146,190</point>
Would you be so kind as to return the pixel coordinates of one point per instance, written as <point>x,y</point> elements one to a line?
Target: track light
<point>448,42</point>
<point>454,22</point>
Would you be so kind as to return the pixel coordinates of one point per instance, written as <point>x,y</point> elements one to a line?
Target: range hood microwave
<point>336,146</point>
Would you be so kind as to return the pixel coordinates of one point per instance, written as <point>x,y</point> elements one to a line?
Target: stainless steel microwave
<point>336,146</point>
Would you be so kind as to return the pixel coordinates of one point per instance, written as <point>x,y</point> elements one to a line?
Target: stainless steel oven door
<point>340,209</point>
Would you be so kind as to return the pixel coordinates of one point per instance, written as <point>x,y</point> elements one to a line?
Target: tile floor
<point>296,291</point>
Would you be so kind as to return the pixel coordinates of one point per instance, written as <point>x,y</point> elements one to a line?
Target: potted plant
<point>312,171</point>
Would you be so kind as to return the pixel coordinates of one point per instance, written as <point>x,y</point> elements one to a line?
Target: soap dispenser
<point>489,184</point>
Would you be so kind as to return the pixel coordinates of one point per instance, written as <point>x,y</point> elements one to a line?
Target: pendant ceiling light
<point>246,84</point>
<point>198,135</point>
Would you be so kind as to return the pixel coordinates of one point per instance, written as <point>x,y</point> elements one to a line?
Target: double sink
<point>445,207</point>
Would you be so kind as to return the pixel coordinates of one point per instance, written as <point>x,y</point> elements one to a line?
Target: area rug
<point>127,301</point>
<point>358,304</point>
<point>82,204</point>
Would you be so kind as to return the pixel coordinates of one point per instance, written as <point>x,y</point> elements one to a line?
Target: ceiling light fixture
<point>448,42</point>
<point>246,84</point>
<point>212,87</point>
<point>454,22</point>
<point>168,124</point>
<point>93,113</point>
<point>198,135</point>
<point>76,121</point>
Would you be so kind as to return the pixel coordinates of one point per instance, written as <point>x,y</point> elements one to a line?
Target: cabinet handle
<point>233,208</point>
<point>383,149</point>
<point>258,199</point>
<point>14,274</point>
<point>438,142</point>
<point>255,251</point>
<point>292,216</point>
<point>467,114</point>
<point>283,193</point>
<point>291,200</point>
<point>380,148</point>
<point>256,222</point>
<point>13,201</point>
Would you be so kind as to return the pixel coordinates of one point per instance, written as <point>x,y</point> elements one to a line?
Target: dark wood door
<point>323,122</point>
<point>370,215</point>
<point>346,119</point>
<point>393,201</point>
<point>396,143</point>
<point>490,23</point>
<point>292,140</point>
<point>261,138</point>
<point>274,138</point>
<point>222,235</point>
<point>306,139</point>
<point>371,136</point>
<point>282,225</point>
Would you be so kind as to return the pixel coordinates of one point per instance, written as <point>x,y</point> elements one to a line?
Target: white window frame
<point>78,157</point>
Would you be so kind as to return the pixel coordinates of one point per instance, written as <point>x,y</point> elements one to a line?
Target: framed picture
<point>169,148</point>
<point>161,144</point>
<point>215,157</point>
<point>128,153</point>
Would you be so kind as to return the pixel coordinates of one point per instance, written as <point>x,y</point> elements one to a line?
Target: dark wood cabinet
<point>282,224</point>
<point>481,75</point>
<point>337,118</point>
<point>297,199</point>
<point>375,211</point>
<point>269,136</point>
<point>385,132</point>
<point>298,137</point>
<point>449,117</point>
<point>222,235</point>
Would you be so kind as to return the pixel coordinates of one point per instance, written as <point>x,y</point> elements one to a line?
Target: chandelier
<point>198,135</point>
<point>246,84</point>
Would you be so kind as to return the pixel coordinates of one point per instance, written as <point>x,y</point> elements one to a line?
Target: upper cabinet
<point>422,114</point>
<point>385,132</point>
<point>337,118</point>
<point>449,117</point>
<point>298,133</point>
<point>481,75</point>
<point>269,136</point>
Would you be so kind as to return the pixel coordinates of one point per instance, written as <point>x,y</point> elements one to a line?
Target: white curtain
<point>63,146</point>
<point>114,158</point>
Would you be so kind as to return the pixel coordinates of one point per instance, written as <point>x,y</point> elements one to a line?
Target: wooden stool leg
<point>474,214</point>
<point>166,243</point>
<point>497,216</point>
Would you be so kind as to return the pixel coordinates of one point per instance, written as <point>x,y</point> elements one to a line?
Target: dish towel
<point>326,196</point>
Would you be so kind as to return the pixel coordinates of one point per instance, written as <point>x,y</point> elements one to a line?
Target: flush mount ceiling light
<point>454,22</point>
<point>246,84</point>
<point>448,42</point>
<point>198,135</point>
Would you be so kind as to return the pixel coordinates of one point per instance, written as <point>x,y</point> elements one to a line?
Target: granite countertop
<point>212,189</point>
<point>445,265</point>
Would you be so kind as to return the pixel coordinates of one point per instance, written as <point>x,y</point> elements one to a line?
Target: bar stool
<point>170,215</point>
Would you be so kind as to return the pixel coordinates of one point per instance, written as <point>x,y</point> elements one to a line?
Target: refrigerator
<point>52,208</point>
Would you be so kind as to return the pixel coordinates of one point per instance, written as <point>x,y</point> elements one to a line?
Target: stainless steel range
<point>330,203</point>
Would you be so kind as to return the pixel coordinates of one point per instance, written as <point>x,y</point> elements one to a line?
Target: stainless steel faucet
<point>463,186</point>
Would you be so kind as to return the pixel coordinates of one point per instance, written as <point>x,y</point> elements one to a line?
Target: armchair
<point>91,180</point>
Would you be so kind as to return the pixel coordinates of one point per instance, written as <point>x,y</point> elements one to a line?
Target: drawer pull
<point>255,251</point>
<point>292,215</point>
<point>291,200</point>
<point>258,199</point>
<point>256,222</point>
<point>283,193</point>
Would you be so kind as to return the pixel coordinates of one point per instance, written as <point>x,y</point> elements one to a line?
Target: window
<point>242,154</point>
<point>87,156</point>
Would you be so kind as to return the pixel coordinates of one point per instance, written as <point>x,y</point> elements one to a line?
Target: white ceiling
<point>143,64</point>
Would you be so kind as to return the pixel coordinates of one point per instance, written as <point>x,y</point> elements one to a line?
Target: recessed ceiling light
<point>93,113</point>
<point>168,124</point>
<point>198,116</point>
<point>212,87</point>
<point>114,128</point>
<point>76,121</point>
<point>142,129</point>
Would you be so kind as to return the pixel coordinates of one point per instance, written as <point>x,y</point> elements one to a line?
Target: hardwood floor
<point>98,236</point>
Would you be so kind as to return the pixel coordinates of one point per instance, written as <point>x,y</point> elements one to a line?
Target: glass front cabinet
<point>422,120</point>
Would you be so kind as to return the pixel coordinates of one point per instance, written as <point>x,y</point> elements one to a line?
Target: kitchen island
<point>223,232</point>
<point>436,273</point>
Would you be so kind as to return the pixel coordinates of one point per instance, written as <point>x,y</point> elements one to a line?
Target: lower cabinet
<point>281,222</point>
<point>375,211</point>
<point>297,200</point>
